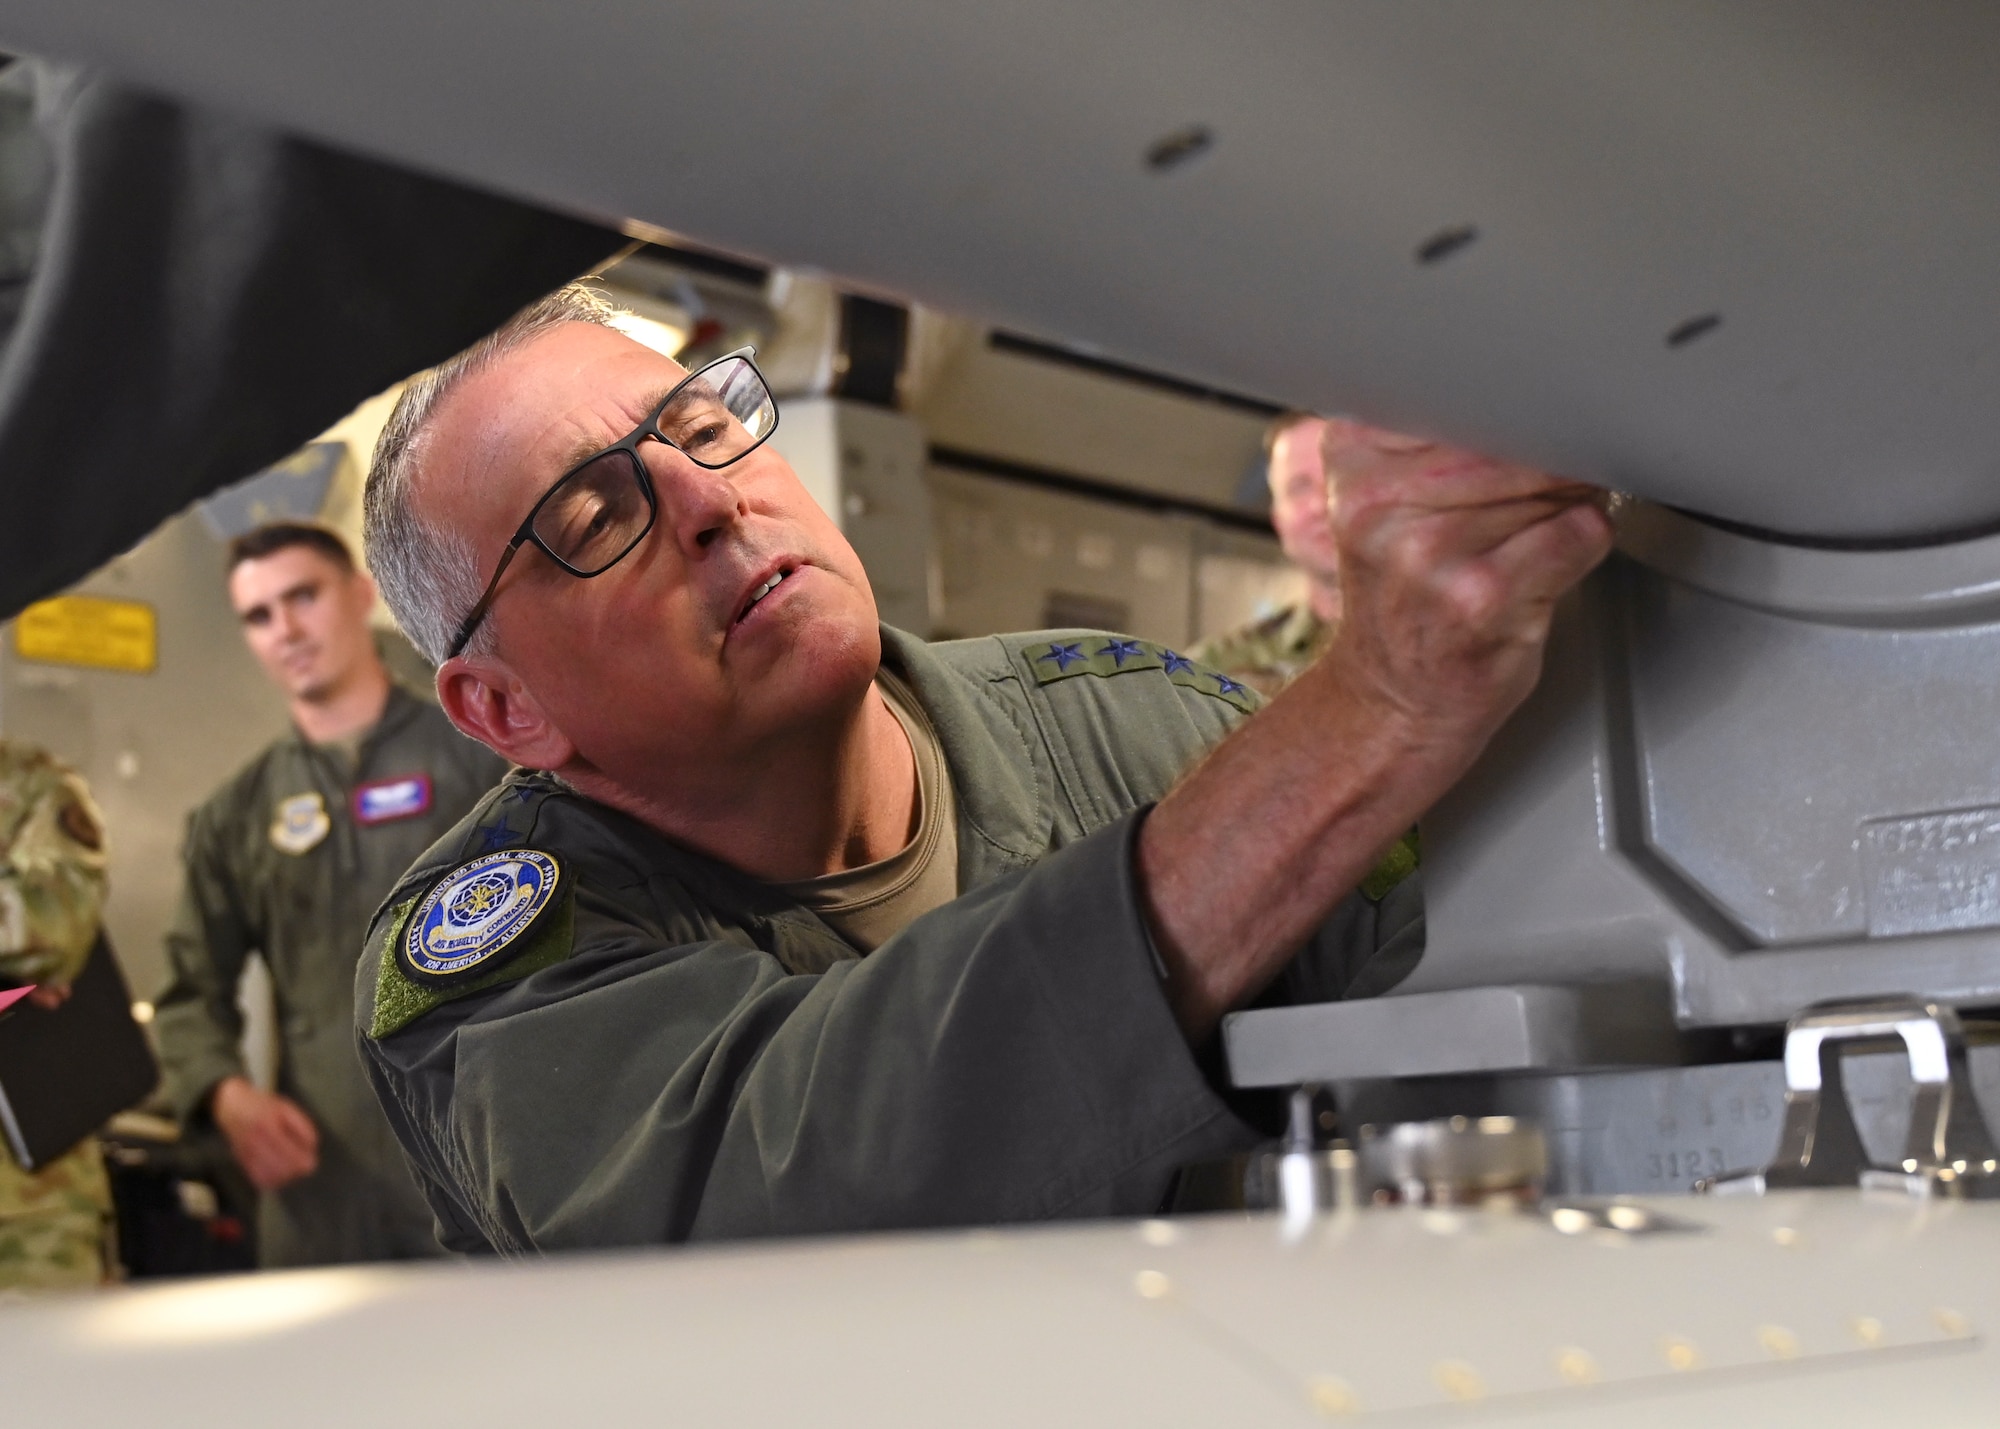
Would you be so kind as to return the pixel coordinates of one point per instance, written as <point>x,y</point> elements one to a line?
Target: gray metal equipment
<point>1758,776</point>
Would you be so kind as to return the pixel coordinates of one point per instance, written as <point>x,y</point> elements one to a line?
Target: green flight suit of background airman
<point>285,861</point>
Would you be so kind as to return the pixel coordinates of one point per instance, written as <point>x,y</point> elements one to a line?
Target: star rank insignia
<point>1055,660</point>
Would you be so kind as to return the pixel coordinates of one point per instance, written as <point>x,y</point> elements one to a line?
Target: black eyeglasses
<point>601,508</point>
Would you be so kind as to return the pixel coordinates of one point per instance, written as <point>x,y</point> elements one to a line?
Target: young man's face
<point>664,663</point>
<point>305,618</point>
<point>1300,500</point>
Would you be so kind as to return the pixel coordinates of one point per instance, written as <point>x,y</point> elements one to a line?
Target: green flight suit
<point>1268,654</point>
<point>676,1051</point>
<point>288,859</point>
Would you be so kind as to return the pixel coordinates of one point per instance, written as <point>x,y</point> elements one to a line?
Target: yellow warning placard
<point>89,630</point>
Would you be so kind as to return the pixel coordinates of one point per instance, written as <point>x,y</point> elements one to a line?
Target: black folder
<point>63,1074</point>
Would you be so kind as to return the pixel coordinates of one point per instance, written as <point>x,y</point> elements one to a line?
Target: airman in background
<point>55,1222</point>
<point>1268,653</point>
<point>288,860</point>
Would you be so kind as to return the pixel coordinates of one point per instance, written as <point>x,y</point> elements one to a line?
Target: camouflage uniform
<point>53,1222</point>
<point>1268,654</point>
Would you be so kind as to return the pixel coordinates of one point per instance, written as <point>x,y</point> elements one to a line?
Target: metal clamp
<point>1948,1150</point>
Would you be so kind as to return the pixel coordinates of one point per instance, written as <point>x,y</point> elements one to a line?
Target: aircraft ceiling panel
<point>1732,256</point>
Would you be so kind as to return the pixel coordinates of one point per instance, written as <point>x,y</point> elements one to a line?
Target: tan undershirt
<point>867,905</point>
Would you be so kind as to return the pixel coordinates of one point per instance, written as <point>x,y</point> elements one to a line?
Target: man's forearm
<point>1255,848</point>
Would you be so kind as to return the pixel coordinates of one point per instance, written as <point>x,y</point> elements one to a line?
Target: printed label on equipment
<point>1930,873</point>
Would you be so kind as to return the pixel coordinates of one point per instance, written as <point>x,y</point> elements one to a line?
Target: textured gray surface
<point>1656,1130</point>
<point>1809,1309</point>
<point>1472,1029</point>
<point>1759,775</point>
<point>1817,173</point>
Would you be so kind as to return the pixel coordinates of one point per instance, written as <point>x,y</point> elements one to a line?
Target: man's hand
<point>272,1138</point>
<point>1450,569</point>
<point>1451,566</point>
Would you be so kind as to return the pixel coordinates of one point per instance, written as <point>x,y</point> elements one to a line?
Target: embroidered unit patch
<point>1105,655</point>
<point>387,800</point>
<point>299,823</point>
<point>476,916</point>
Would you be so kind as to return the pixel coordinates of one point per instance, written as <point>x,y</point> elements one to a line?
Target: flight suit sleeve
<point>1009,1056</point>
<point>196,1017</point>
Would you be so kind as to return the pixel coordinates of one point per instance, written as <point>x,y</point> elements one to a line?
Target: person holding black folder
<point>55,1218</point>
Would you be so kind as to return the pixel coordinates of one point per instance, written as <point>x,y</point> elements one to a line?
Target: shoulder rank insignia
<point>299,823</point>
<point>477,917</point>
<point>1106,655</point>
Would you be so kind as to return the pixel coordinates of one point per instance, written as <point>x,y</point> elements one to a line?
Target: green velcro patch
<point>1106,655</point>
<point>1404,857</point>
<point>399,1001</point>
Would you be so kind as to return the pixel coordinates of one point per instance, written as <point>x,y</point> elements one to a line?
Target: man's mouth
<point>776,579</point>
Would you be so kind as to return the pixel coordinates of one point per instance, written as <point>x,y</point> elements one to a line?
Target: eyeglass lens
<point>602,509</point>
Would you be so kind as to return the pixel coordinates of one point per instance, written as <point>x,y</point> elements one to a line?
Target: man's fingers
<point>1547,558</point>
<point>297,1127</point>
<point>1445,537</point>
<point>1366,477</point>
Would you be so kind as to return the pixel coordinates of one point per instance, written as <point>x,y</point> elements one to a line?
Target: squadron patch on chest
<point>477,917</point>
<point>299,823</point>
<point>1106,655</point>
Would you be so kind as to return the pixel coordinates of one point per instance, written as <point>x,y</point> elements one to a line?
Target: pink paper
<point>12,995</point>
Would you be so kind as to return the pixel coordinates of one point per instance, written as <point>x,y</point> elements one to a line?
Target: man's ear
<point>487,701</point>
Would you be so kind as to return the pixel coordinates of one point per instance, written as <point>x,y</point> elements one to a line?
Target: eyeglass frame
<point>525,535</point>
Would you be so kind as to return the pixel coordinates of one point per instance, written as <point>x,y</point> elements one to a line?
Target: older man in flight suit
<point>55,1221</point>
<point>805,925</point>
<point>288,859</point>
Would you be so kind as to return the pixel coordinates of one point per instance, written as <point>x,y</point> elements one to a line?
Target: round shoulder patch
<point>477,916</point>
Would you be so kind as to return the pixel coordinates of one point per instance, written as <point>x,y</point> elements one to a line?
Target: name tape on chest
<point>1107,655</point>
<point>387,800</point>
<point>477,917</point>
<point>299,823</point>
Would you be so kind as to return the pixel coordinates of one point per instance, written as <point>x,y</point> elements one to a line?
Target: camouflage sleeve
<point>196,1017</point>
<point>51,873</point>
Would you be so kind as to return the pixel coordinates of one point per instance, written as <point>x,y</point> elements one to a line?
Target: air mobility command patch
<point>498,917</point>
<point>1106,655</point>
<point>299,823</point>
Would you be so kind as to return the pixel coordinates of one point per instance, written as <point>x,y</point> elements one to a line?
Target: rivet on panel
<point>1680,1354</point>
<point>1159,1233</point>
<point>1152,1285</point>
<point>1576,1366</point>
<point>1445,242</point>
<point>1180,148</point>
<point>1867,1329</point>
<point>1569,1220</point>
<point>1778,1342</point>
<point>1785,1235</point>
<point>1459,1380</point>
<point>1332,1396</point>
<point>1952,1323</point>
<point>1686,332</point>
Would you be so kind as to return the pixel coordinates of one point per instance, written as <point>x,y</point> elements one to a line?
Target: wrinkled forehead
<point>499,438</point>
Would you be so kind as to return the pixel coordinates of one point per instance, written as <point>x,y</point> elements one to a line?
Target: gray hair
<point>429,574</point>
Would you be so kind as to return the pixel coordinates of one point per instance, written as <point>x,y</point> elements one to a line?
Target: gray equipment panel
<point>1735,257</point>
<point>1762,775</point>
<point>1657,1130</point>
<point>1485,1029</point>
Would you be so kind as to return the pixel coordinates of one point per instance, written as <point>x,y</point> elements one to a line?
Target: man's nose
<point>696,504</point>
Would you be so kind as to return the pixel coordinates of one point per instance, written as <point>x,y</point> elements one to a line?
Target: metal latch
<point>1948,1151</point>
